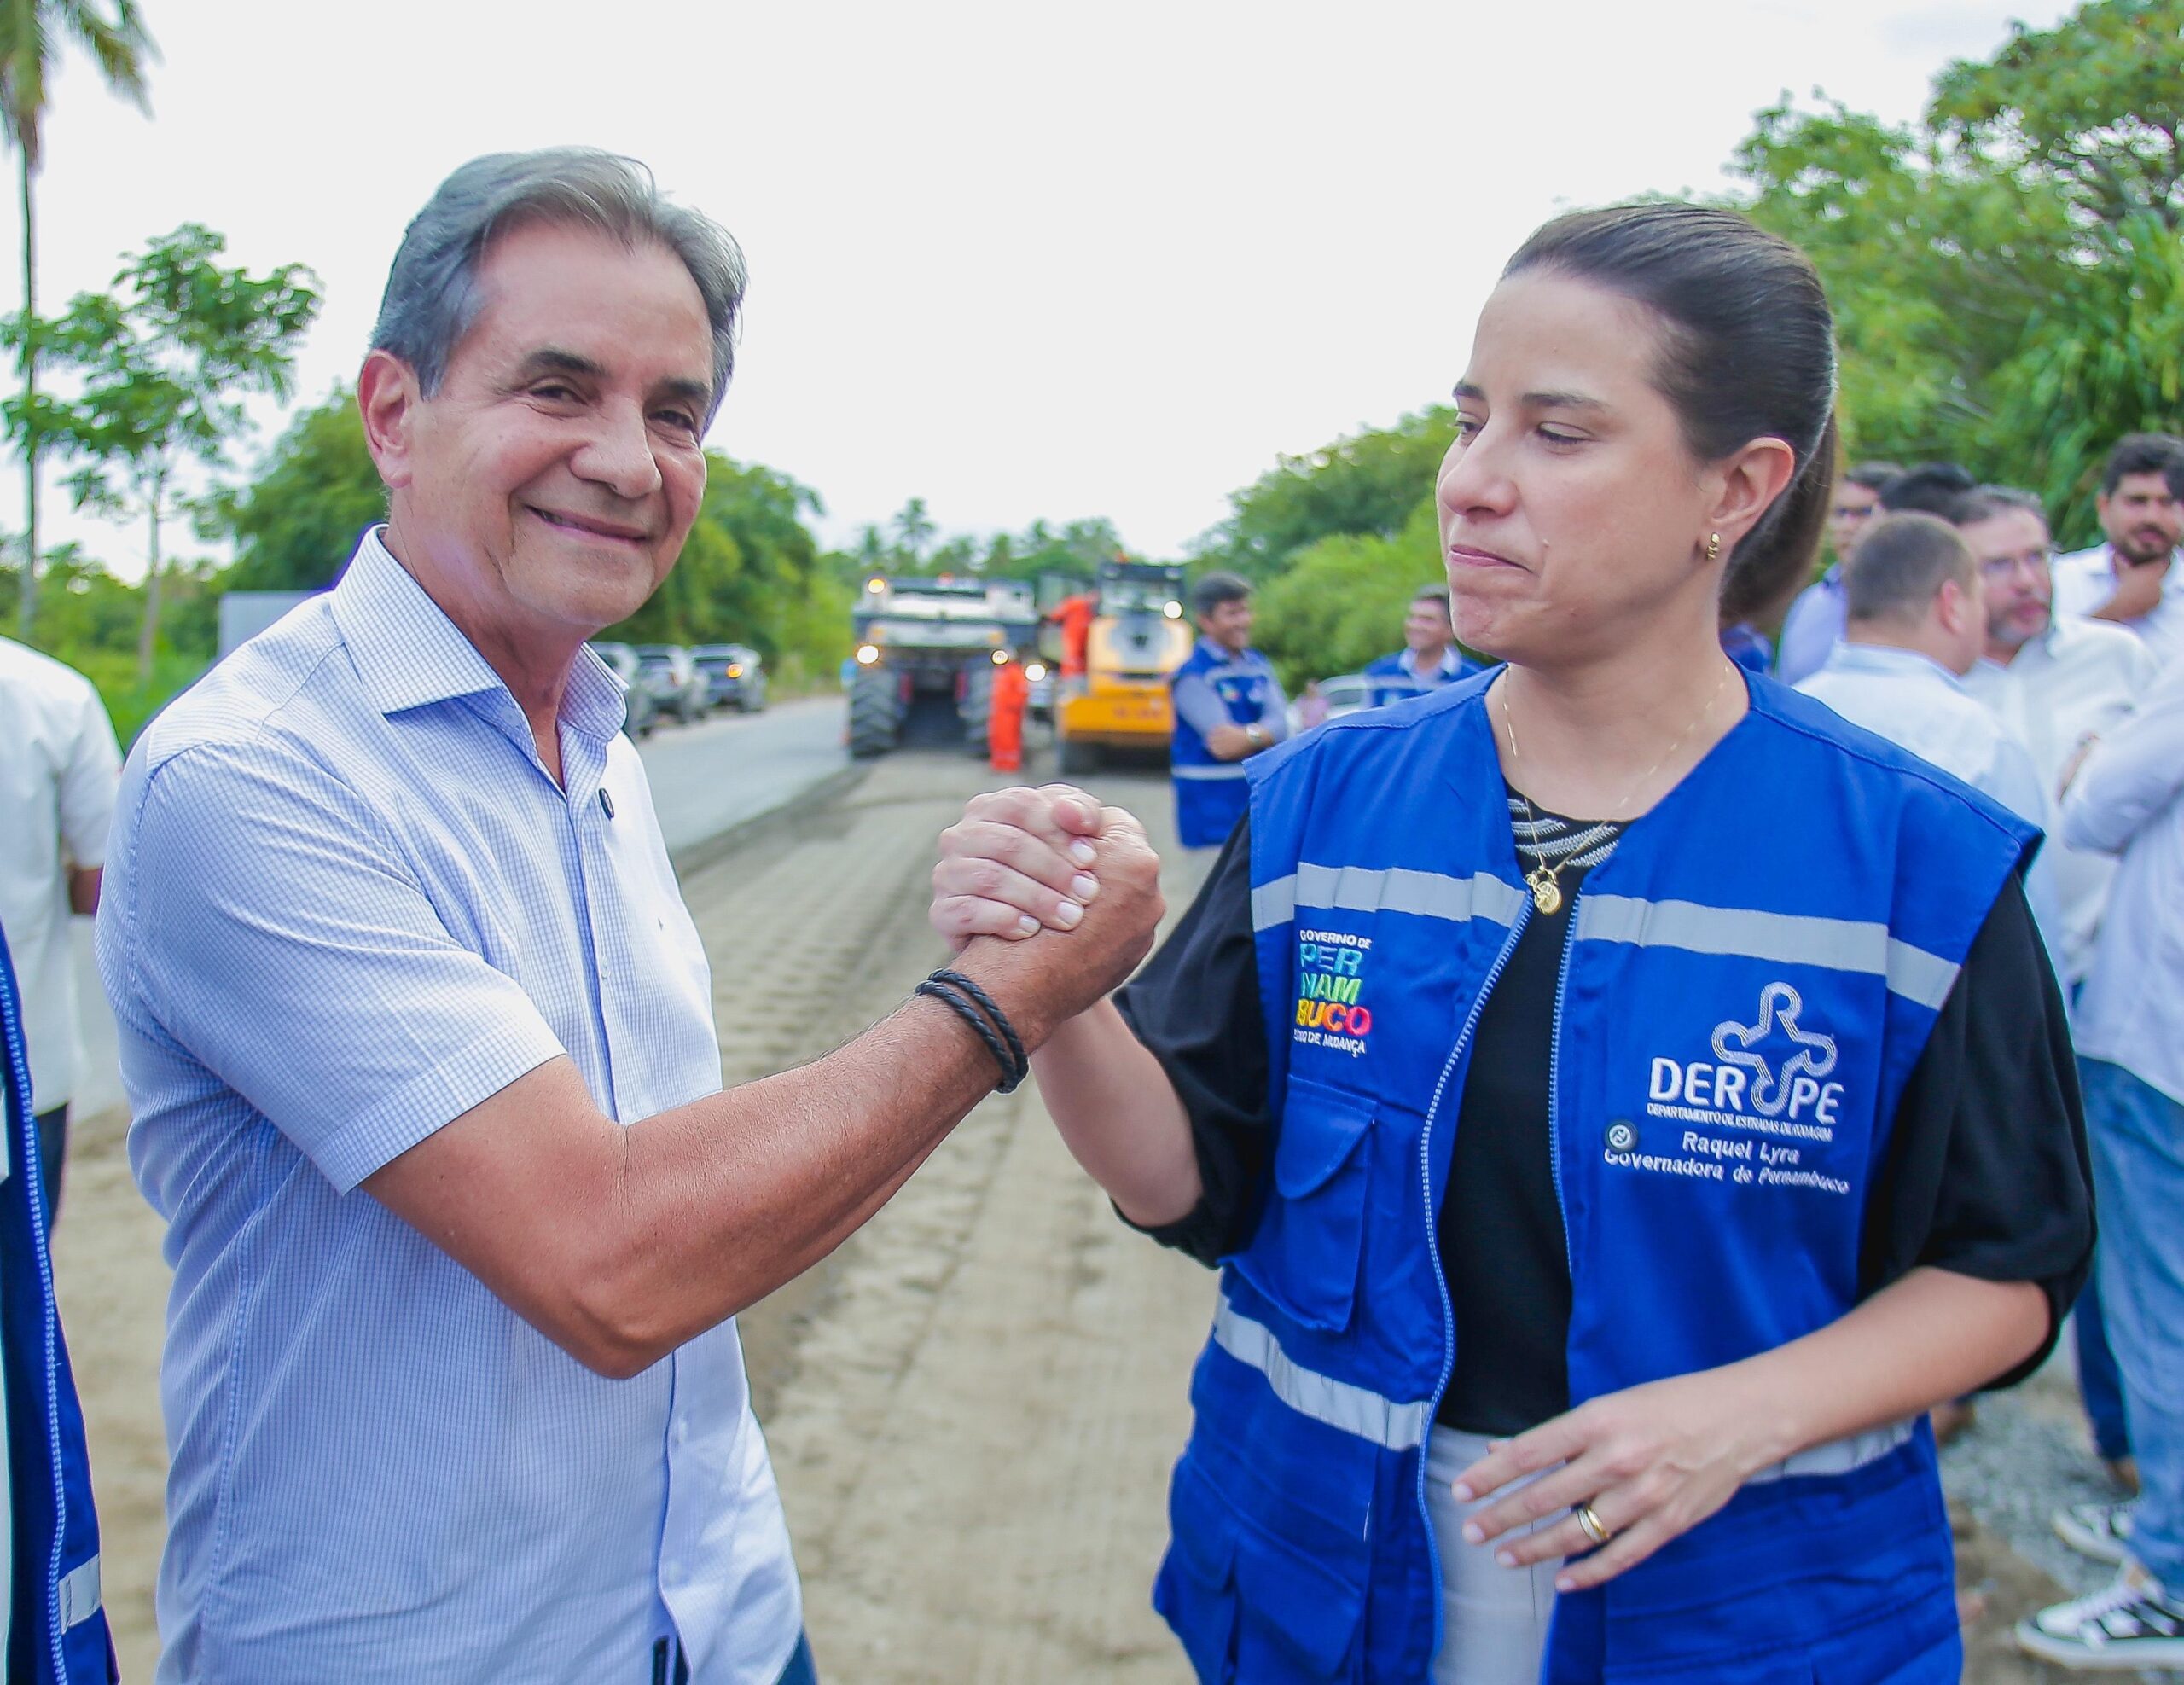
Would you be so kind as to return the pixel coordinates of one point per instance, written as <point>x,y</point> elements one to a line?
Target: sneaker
<point>2134,1624</point>
<point>2101,1531</point>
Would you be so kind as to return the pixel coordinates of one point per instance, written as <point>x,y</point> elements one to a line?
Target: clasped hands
<point>1050,863</point>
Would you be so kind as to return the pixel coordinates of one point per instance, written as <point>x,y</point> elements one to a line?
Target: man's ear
<point>387,397</point>
<point>1952,606</point>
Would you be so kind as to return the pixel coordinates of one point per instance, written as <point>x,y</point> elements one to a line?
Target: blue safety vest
<point>1749,979</point>
<point>1211,795</point>
<point>1393,682</point>
<point>57,1632</point>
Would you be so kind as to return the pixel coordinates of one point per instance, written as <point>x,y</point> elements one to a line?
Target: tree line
<point>2007,273</point>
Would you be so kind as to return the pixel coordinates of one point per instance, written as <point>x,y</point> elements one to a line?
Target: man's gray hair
<point>1987,501</point>
<point>433,297</point>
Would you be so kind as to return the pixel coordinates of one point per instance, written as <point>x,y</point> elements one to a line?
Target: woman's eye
<point>1468,426</point>
<point>1553,436</point>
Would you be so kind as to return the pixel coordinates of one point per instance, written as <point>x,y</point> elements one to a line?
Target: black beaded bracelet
<point>1010,1075</point>
<point>1000,1019</point>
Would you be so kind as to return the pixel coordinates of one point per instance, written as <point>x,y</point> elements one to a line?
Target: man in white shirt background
<point>2125,579</point>
<point>2057,684</point>
<point>1915,622</point>
<point>2129,799</point>
<point>58,765</point>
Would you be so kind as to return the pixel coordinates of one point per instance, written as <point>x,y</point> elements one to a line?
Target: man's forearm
<point>725,1200</point>
<point>619,1243</point>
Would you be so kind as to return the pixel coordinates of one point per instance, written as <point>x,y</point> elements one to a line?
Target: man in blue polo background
<point>1229,707</point>
<point>1429,658</point>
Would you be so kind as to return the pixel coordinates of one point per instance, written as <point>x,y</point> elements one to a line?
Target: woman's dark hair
<point>1747,352</point>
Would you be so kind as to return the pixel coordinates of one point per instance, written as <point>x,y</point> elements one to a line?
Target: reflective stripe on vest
<point>1354,1409</point>
<point>1793,938</point>
<point>1790,938</point>
<point>1223,769</point>
<point>79,1593</point>
<point>1399,1428</point>
<point>1431,895</point>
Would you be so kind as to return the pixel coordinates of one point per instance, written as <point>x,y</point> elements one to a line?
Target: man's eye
<point>1468,426</point>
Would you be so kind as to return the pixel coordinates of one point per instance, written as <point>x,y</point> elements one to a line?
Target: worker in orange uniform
<point>1011,691</point>
<point>1075,615</point>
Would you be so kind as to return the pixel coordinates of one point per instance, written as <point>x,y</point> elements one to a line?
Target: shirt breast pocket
<point>1305,1253</point>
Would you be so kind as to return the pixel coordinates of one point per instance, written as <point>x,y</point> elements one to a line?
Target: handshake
<point>1053,899</point>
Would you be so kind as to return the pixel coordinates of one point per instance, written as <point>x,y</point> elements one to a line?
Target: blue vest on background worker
<point>1396,677</point>
<point>1211,794</point>
<point>56,1630</point>
<point>1751,977</point>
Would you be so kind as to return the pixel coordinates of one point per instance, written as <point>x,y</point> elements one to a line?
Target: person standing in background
<point>2129,799</point>
<point>1813,624</point>
<point>1229,707</point>
<point>1916,625</point>
<point>1429,658</point>
<point>2125,579</point>
<point>59,766</point>
<point>2057,684</point>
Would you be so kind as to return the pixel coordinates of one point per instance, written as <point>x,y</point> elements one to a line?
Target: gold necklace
<point>1543,880</point>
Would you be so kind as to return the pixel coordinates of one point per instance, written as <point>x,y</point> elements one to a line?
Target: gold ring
<point>1590,1522</point>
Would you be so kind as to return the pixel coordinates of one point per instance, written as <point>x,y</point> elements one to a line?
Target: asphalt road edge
<point>695,857</point>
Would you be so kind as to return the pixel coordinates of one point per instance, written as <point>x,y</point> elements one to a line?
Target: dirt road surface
<point>972,1405</point>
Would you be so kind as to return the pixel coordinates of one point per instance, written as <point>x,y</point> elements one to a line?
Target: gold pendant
<point>1546,894</point>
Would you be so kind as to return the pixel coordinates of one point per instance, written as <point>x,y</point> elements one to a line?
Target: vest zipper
<point>1554,1087</point>
<point>19,1072</point>
<point>1434,1242</point>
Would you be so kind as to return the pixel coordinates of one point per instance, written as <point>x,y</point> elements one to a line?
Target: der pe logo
<point>1735,1044</point>
<point>1331,1011</point>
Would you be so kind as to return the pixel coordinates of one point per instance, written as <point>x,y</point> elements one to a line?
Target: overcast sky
<point>1019,259</point>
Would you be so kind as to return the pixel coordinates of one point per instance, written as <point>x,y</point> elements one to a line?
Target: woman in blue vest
<point>56,1619</point>
<point>1622,1096</point>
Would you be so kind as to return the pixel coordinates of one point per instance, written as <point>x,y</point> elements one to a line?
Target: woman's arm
<point>1977,1237</point>
<point>1010,866</point>
<point>1121,1117</point>
<point>1655,1460</point>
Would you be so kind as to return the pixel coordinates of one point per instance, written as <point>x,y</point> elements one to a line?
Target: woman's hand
<point>1018,862</point>
<point>1653,1461</point>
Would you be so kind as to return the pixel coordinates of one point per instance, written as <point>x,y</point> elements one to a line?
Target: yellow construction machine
<point>1138,637</point>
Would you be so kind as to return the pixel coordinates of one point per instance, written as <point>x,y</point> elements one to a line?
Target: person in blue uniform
<point>1621,1098</point>
<point>1429,658</point>
<point>56,1627</point>
<point>1229,707</point>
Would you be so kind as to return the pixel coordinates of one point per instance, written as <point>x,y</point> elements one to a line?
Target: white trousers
<point>1494,1619</point>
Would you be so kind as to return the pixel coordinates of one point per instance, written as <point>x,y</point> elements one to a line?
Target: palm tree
<point>121,47</point>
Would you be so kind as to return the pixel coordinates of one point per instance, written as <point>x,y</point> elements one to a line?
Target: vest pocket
<point>1305,1253</point>
<point>1251,1607</point>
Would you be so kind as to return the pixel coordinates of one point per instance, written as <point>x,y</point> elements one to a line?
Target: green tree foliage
<point>30,30</point>
<point>1368,483</point>
<point>295,526</point>
<point>751,572</point>
<point>2007,272</point>
<point>1339,602</point>
<point>163,362</point>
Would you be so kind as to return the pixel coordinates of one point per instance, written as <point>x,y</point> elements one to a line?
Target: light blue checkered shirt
<point>344,904</point>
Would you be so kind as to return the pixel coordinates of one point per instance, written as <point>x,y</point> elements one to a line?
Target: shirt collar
<point>1883,660</point>
<point>408,654</point>
<point>1407,659</point>
<point>1222,653</point>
